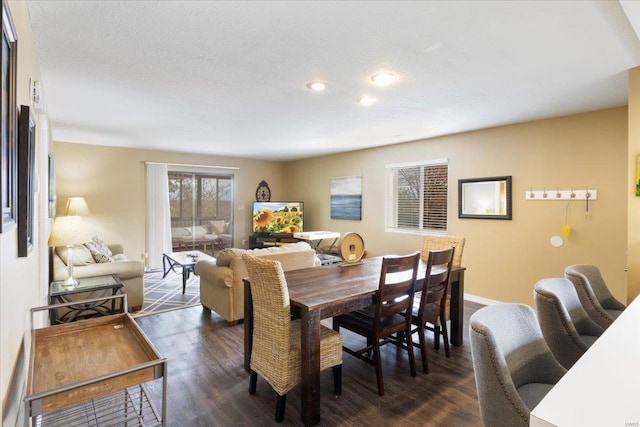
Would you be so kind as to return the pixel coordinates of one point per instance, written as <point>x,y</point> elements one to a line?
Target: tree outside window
<point>195,198</point>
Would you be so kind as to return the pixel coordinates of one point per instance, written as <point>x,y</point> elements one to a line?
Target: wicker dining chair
<point>390,315</point>
<point>429,305</point>
<point>276,338</point>
<point>430,242</point>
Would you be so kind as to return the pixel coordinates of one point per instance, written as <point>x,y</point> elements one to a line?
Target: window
<point>195,198</point>
<point>416,196</point>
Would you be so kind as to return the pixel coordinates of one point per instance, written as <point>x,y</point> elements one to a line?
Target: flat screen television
<point>278,217</point>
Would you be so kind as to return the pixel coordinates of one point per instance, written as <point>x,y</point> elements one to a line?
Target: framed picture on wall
<point>346,197</point>
<point>26,180</point>
<point>8,120</point>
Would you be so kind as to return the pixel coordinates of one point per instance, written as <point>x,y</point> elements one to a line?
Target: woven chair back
<point>271,314</point>
<point>443,242</point>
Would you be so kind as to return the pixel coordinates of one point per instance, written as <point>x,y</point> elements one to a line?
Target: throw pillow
<point>217,226</point>
<point>99,250</point>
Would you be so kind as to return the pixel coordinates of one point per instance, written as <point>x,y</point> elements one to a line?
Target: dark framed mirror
<point>26,179</point>
<point>486,198</point>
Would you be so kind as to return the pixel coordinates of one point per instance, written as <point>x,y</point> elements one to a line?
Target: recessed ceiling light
<point>384,78</point>
<point>367,100</point>
<point>317,86</point>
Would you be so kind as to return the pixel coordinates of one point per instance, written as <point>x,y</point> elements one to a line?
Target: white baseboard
<point>481,300</point>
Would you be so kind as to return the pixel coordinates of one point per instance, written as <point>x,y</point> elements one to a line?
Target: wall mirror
<point>488,198</point>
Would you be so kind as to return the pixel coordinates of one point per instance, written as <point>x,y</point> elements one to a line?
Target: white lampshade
<point>68,230</point>
<point>76,206</point>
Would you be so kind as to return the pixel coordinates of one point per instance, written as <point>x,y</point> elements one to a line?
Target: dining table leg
<point>310,360</point>
<point>457,308</point>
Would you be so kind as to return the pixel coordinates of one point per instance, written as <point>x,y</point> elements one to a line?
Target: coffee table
<point>185,260</point>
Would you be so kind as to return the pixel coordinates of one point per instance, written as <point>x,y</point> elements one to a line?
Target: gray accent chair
<point>513,365</point>
<point>565,324</point>
<point>594,294</point>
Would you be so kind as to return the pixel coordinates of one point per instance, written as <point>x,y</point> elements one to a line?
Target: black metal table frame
<point>94,306</point>
<point>170,264</point>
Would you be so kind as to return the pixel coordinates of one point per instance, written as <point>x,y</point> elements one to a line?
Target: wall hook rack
<point>586,194</point>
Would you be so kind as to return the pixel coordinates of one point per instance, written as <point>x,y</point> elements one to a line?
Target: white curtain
<point>158,222</point>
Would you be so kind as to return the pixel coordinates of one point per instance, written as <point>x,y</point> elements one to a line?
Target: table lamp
<point>68,231</point>
<point>76,206</point>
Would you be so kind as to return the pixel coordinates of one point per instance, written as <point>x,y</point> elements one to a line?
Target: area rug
<point>161,295</point>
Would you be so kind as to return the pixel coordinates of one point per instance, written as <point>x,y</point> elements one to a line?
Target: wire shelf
<point>129,407</point>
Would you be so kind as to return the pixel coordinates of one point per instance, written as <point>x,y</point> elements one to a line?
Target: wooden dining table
<point>323,292</point>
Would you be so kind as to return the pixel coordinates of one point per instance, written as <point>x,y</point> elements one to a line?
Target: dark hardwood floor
<point>207,385</point>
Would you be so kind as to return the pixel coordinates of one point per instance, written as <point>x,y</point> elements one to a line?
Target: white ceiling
<point>228,77</point>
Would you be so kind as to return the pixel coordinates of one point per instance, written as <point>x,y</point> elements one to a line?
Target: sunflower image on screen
<point>277,217</point>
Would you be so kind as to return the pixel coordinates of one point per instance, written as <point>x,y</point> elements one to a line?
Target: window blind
<point>416,196</point>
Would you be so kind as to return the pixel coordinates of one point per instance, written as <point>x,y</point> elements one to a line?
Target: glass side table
<point>88,287</point>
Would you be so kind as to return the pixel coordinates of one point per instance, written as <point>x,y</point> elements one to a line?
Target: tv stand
<point>270,240</point>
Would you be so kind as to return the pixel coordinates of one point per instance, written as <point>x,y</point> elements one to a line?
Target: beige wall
<point>633,223</point>
<point>504,258</point>
<point>23,281</point>
<point>113,182</point>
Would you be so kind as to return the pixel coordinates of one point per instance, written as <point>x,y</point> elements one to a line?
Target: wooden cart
<point>93,372</point>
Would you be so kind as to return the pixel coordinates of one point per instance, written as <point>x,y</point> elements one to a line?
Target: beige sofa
<point>221,286</point>
<point>130,272</point>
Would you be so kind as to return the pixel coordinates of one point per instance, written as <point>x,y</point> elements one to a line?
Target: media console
<point>269,240</point>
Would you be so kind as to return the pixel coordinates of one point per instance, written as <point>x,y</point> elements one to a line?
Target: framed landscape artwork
<point>26,180</point>
<point>8,120</point>
<point>346,197</point>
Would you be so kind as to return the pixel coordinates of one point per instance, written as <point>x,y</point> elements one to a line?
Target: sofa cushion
<point>289,247</point>
<point>225,256</point>
<point>200,230</point>
<point>81,255</point>
<point>99,250</point>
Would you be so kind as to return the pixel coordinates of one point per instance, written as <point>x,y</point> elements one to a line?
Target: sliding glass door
<point>201,211</point>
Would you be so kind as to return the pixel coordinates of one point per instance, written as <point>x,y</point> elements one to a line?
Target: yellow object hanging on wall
<point>565,230</point>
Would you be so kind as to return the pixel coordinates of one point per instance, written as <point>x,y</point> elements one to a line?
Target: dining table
<point>326,291</point>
